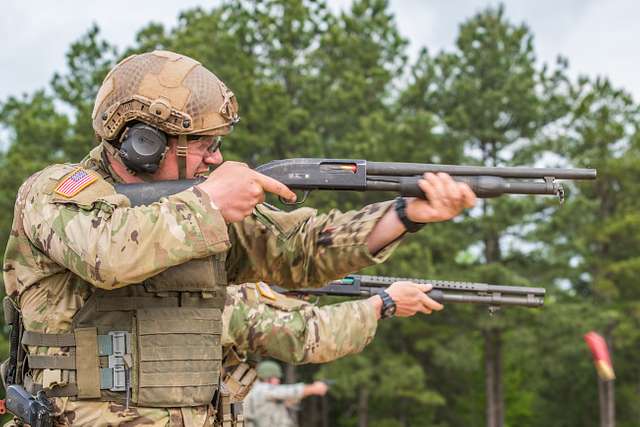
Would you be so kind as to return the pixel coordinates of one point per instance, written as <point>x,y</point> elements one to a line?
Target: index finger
<point>423,287</point>
<point>431,304</point>
<point>276,187</point>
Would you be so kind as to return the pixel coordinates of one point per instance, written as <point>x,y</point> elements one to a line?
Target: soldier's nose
<point>214,158</point>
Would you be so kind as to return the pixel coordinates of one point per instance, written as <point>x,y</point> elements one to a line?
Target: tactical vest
<point>156,344</point>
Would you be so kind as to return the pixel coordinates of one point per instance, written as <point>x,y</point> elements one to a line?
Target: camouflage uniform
<point>292,330</point>
<point>64,251</point>
<point>268,405</point>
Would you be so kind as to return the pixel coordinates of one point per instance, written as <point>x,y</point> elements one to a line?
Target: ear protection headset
<point>142,147</point>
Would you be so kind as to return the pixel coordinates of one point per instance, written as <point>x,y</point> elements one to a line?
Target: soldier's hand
<point>317,388</point>
<point>236,190</point>
<point>446,198</point>
<point>411,298</point>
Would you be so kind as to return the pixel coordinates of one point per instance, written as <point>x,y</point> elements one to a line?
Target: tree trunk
<point>494,405</point>
<point>290,376</point>
<point>493,377</point>
<point>363,407</point>
<point>312,413</point>
<point>324,403</point>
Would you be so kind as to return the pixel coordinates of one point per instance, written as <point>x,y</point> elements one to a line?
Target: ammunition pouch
<point>229,414</point>
<point>237,375</point>
<point>237,379</point>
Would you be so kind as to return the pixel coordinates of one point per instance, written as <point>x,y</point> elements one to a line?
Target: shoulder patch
<point>75,182</point>
<point>265,290</point>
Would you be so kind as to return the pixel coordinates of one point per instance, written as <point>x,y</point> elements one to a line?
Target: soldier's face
<point>199,158</point>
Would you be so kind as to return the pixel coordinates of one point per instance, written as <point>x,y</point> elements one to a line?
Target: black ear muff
<point>142,148</point>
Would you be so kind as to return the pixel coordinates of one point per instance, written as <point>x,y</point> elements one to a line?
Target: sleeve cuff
<point>370,323</point>
<point>384,253</point>
<point>368,217</point>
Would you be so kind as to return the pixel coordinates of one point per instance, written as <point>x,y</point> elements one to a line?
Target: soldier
<point>121,306</point>
<point>271,404</point>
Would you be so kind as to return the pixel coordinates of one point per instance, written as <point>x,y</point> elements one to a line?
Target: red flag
<point>601,357</point>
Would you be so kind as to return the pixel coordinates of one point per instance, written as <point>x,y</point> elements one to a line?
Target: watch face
<point>389,310</point>
<point>388,305</point>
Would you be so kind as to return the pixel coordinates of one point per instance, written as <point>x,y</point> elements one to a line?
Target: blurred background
<point>469,82</point>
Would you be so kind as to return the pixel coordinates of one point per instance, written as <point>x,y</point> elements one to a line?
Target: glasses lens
<point>215,146</point>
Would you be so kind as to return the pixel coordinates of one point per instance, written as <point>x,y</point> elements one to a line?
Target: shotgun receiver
<point>307,174</point>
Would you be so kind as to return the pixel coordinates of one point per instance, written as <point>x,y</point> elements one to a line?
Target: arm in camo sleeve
<point>294,331</point>
<point>302,249</point>
<point>289,393</point>
<point>98,237</point>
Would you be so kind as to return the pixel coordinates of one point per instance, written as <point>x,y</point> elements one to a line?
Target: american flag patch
<point>75,182</point>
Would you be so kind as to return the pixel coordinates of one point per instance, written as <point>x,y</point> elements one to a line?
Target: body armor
<point>155,344</point>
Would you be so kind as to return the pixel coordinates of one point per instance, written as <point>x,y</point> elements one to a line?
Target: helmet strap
<point>181,152</point>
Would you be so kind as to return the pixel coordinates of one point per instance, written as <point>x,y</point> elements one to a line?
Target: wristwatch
<point>388,305</point>
<point>401,211</point>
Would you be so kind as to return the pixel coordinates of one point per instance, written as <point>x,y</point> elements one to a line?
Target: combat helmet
<point>160,93</point>
<point>268,369</point>
<point>171,92</point>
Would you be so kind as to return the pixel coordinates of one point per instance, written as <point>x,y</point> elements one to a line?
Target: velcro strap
<point>181,153</point>
<point>63,391</point>
<point>48,340</point>
<point>38,361</point>
<point>57,391</point>
<point>87,363</point>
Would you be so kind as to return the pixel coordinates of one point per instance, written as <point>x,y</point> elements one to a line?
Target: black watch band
<point>388,305</point>
<point>401,211</point>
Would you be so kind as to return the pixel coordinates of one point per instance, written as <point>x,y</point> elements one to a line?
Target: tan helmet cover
<point>169,91</point>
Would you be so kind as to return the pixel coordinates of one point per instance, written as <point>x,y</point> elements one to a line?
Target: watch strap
<point>388,305</point>
<point>401,211</point>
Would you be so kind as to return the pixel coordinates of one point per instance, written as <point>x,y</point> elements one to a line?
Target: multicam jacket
<point>294,331</point>
<point>64,252</point>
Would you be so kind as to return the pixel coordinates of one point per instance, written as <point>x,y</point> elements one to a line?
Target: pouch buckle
<point>114,377</point>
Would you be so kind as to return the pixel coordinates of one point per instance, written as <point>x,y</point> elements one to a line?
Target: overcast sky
<point>598,37</point>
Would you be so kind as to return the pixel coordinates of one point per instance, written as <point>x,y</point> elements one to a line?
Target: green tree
<point>52,126</point>
<point>36,136</point>
<point>88,61</point>
<point>491,100</point>
<point>591,254</point>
